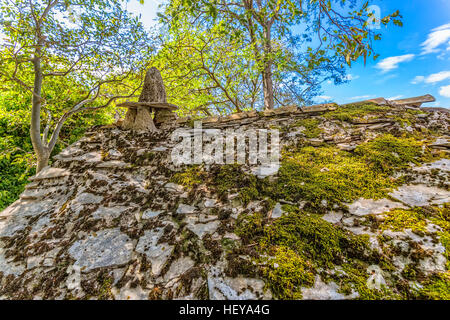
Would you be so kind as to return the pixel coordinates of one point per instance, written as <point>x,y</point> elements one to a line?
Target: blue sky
<point>414,60</point>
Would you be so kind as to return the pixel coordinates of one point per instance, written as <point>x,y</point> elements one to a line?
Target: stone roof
<point>107,216</point>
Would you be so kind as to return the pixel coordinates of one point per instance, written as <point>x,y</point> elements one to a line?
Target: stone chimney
<point>152,98</point>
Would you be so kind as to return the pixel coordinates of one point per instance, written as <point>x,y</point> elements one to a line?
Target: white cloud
<point>418,79</point>
<point>324,97</point>
<point>445,91</point>
<point>437,77</point>
<point>432,78</point>
<point>392,63</point>
<point>362,97</point>
<point>436,38</point>
<point>396,97</point>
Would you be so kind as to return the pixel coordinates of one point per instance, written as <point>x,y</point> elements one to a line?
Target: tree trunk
<point>42,159</point>
<point>267,70</point>
<point>268,87</point>
<point>41,151</point>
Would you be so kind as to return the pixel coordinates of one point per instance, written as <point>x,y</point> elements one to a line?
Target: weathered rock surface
<point>108,219</point>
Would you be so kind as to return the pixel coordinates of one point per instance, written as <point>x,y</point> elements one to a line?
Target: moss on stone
<point>436,288</point>
<point>311,126</point>
<point>190,177</point>
<point>230,178</point>
<point>386,152</point>
<point>327,173</point>
<point>286,273</point>
<point>400,219</point>
<point>294,248</point>
<point>355,111</point>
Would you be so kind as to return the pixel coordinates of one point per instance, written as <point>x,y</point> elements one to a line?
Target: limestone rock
<point>157,253</point>
<point>107,248</point>
<point>421,195</point>
<point>363,207</point>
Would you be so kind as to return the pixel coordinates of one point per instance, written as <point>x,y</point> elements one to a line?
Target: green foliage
<point>387,152</point>
<point>233,47</point>
<point>356,111</point>
<point>17,160</point>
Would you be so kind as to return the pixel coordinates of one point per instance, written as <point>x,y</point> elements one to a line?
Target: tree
<point>94,43</point>
<point>267,27</point>
<point>204,72</point>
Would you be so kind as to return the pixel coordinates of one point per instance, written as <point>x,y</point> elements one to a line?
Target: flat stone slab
<point>8,267</point>
<point>70,152</point>
<point>415,100</point>
<point>325,291</point>
<point>50,173</point>
<point>333,217</point>
<point>107,248</point>
<point>28,208</point>
<point>149,214</point>
<point>202,229</point>
<point>158,254</point>
<point>210,203</point>
<point>87,198</point>
<point>364,207</point>
<point>108,212</point>
<point>112,164</point>
<point>173,187</point>
<point>185,209</point>
<point>442,164</point>
<point>441,143</point>
<point>12,225</point>
<point>178,268</point>
<point>240,288</point>
<point>41,224</point>
<point>277,211</point>
<point>421,195</point>
<point>39,193</point>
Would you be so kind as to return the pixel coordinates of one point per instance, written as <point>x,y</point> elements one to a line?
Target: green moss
<point>437,287</point>
<point>190,177</point>
<point>316,239</point>
<point>353,278</point>
<point>406,118</point>
<point>327,173</point>
<point>355,111</point>
<point>250,227</point>
<point>286,273</point>
<point>386,153</point>
<point>230,178</point>
<point>311,126</point>
<point>294,248</point>
<point>400,219</point>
